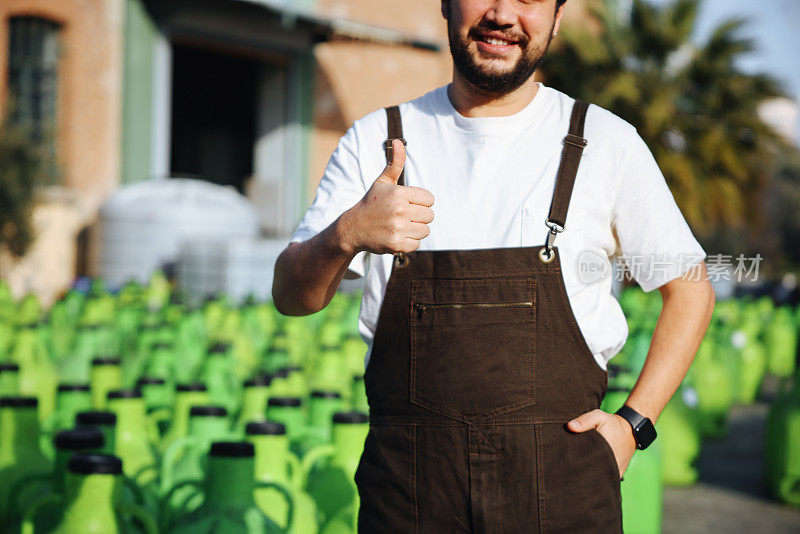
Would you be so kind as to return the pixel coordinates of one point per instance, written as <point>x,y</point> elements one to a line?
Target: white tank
<point>143,226</point>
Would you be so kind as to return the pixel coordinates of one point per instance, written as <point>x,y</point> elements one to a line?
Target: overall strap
<point>395,131</point>
<point>574,143</point>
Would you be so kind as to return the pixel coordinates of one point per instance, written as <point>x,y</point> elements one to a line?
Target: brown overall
<point>476,367</point>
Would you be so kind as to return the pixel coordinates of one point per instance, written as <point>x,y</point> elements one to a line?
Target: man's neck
<point>470,102</point>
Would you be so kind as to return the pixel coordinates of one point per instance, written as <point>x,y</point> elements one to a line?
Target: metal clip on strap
<point>546,253</point>
<point>575,140</point>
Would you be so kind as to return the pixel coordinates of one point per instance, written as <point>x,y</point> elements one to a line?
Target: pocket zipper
<point>424,307</point>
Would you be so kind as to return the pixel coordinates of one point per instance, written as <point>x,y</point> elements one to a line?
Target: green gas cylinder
<point>37,375</point>
<point>9,379</point>
<point>228,506</point>
<point>66,443</point>
<point>104,422</point>
<point>354,350</point>
<point>20,453</point>
<point>254,400</point>
<point>183,459</point>
<point>678,431</point>
<point>321,407</point>
<point>783,443</point>
<point>711,378</point>
<point>642,485</point>
<point>86,346</point>
<point>70,399</point>
<point>331,469</point>
<point>135,434</point>
<point>278,355</point>
<point>289,381</point>
<point>289,411</point>
<point>358,397</point>
<point>274,462</point>
<point>753,363</point>
<point>106,375</point>
<point>190,337</point>
<point>29,309</point>
<point>186,396</point>
<point>91,503</point>
<point>158,395</point>
<point>331,371</point>
<point>219,377</point>
<point>161,362</point>
<point>780,338</point>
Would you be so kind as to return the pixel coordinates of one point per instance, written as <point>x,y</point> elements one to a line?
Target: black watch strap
<point>644,432</point>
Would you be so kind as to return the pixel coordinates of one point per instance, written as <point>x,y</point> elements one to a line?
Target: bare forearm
<point>308,274</point>
<point>685,316</point>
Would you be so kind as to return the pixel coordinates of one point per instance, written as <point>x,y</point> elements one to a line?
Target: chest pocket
<point>472,345</point>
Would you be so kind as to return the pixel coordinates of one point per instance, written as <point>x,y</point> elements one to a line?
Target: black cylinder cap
<point>196,386</point>
<point>289,402</point>
<point>317,394</point>
<point>95,464</point>
<point>106,361</point>
<point>219,348</point>
<point>258,381</point>
<point>265,428</point>
<point>125,394</point>
<point>280,373</point>
<point>150,381</point>
<point>93,418</point>
<point>208,411</point>
<point>350,418</point>
<point>63,388</point>
<point>232,449</point>
<point>615,370</point>
<point>19,402</point>
<point>7,366</point>
<point>79,439</point>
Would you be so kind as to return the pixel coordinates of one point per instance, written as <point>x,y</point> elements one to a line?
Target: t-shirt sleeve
<point>654,240</point>
<point>340,188</point>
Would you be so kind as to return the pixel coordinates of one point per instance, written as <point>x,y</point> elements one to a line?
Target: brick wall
<point>88,130</point>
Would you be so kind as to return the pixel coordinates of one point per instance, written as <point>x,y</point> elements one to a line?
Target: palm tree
<point>694,108</point>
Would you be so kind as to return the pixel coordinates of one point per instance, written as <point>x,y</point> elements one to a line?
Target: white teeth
<point>499,42</point>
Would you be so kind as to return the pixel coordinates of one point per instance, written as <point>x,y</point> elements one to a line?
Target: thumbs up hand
<point>390,218</point>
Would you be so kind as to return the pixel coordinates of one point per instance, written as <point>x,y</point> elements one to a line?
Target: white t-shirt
<point>492,179</point>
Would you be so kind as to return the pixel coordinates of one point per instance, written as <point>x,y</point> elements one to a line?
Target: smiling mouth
<point>495,41</point>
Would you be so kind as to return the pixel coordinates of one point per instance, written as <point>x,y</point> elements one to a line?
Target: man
<point>488,346</point>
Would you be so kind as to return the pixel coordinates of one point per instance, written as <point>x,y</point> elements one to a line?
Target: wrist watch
<point>643,430</point>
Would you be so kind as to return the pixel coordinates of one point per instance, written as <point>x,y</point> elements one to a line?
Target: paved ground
<point>730,497</point>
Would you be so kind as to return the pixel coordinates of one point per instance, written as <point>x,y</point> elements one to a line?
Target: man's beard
<point>488,82</point>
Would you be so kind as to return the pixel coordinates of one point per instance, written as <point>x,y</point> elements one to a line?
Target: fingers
<point>409,245</point>
<point>420,214</point>
<point>391,174</point>
<point>417,195</point>
<point>418,231</point>
<point>587,421</point>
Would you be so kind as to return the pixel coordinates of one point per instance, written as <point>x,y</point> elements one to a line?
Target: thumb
<point>393,170</point>
<point>586,421</point>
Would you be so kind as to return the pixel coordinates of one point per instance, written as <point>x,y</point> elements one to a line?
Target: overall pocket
<point>472,345</point>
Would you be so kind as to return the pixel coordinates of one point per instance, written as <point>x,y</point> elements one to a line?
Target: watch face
<point>645,434</point>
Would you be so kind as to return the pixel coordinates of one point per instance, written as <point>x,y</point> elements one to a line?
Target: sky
<point>773,25</point>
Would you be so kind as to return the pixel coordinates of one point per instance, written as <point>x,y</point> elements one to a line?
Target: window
<point>33,79</point>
